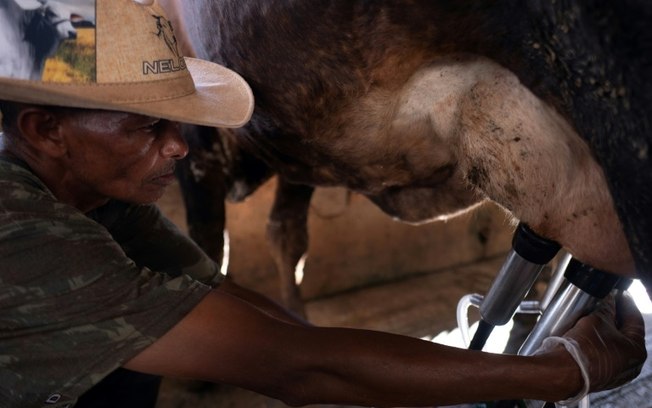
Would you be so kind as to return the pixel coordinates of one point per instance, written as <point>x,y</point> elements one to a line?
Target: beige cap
<point>124,57</point>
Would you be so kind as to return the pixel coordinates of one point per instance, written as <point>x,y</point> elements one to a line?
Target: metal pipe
<point>571,304</point>
<point>580,293</point>
<point>523,265</point>
<point>556,280</point>
<point>513,282</point>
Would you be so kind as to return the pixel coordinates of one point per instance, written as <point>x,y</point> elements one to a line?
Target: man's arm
<point>225,339</point>
<point>262,303</point>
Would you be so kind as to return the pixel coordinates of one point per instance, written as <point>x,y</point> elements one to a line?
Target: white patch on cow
<point>83,8</point>
<point>205,162</point>
<point>198,171</point>
<point>62,18</point>
<point>11,45</point>
<point>28,4</point>
<point>225,157</point>
<point>239,191</point>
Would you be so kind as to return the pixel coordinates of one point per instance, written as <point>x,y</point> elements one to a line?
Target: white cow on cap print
<point>32,30</point>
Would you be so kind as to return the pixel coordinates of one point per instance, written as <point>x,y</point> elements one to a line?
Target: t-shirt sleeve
<point>152,241</point>
<point>74,304</point>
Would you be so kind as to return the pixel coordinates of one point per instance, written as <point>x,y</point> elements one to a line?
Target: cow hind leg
<point>287,237</point>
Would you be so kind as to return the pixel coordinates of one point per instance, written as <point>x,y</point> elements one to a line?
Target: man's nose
<point>174,145</point>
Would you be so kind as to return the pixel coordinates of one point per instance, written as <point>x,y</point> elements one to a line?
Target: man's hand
<point>612,341</point>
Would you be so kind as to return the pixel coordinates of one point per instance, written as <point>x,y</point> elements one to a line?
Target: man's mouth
<point>164,177</point>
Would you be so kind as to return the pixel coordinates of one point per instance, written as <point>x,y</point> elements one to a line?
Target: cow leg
<point>287,237</point>
<point>202,180</point>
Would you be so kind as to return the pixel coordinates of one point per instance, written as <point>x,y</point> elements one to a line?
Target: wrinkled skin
<point>429,107</point>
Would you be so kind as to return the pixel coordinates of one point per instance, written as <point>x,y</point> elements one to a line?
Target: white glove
<point>608,345</point>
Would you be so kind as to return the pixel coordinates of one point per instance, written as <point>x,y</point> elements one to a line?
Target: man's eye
<point>150,128</point>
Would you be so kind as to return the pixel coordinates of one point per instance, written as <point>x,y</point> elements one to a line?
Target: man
<point>93,278</point>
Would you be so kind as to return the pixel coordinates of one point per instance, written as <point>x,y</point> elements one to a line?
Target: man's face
<point>119,155</point>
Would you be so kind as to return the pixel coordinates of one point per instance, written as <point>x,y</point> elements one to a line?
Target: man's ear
<point>41,129</point>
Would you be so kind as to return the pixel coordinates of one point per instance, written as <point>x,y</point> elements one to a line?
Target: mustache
<point>165,171</point>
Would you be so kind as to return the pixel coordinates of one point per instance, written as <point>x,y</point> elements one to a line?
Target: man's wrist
<point>565,377</point>
<point>574,351</point>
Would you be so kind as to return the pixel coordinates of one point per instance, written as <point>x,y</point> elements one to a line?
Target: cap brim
<point>221,98</point>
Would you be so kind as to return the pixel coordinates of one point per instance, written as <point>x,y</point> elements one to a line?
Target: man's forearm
<point>262,303</point>
<point>379,369</point>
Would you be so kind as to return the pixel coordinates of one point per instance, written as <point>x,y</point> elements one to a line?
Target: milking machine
<point>525,261</point>
<point>574,290</point>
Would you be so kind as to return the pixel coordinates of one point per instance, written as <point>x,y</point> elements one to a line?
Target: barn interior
<point>366,270</point>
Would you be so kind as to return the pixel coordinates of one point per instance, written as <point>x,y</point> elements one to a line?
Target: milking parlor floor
<point>420,304</point>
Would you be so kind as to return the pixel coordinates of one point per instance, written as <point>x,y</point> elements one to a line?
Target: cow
<point>23,26</point>
<point>428,107</point>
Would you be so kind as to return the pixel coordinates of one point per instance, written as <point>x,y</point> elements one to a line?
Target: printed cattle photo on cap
<point>33,31</point>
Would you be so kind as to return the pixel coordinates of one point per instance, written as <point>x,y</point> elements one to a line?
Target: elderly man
<point>93,278</point>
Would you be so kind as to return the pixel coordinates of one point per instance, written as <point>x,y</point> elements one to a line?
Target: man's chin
<point>149,196</point>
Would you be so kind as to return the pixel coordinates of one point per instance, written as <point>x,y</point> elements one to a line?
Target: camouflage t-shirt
<point>81,294</point>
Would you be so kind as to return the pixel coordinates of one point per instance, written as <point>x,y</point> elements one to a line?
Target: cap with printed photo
<point>116,55</point>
